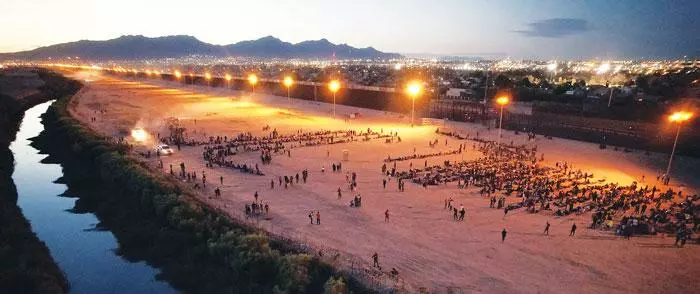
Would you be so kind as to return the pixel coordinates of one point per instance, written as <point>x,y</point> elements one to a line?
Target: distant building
<point>460,94</point>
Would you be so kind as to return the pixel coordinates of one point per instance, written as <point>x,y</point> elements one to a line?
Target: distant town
<point>595,82</point>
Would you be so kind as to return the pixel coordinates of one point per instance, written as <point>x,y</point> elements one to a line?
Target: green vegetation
<point>199,250</point>
<point>26,266</point>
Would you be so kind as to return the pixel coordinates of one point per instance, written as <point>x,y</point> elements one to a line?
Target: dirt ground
<point>421,240</point>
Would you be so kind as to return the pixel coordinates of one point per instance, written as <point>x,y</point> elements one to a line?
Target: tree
<point>525,82</point>
<point>642,82</point>
<point>502,81</point>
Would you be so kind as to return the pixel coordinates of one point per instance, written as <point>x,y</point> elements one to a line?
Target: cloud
<point>555,28</point>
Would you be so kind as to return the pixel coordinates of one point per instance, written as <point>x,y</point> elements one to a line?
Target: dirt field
<point>421,240</point>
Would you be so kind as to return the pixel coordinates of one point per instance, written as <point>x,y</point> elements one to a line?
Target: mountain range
<point>140,47</point>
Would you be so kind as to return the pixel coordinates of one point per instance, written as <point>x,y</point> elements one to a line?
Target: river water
<point>85,254</point>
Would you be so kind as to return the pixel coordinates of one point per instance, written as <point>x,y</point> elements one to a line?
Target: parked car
<point>164,149</point>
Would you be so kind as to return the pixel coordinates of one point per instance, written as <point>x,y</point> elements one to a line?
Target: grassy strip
<point>197,249</point>
<point>26,265</point>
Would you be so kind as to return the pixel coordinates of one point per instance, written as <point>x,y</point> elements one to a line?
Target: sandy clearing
<point>421,240</point>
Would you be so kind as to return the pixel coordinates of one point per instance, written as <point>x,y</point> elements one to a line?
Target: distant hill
<point>140,47</point>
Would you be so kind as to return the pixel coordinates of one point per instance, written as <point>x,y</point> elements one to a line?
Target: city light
<point>207,76</point>
<point>603,68</point>
<point>178,74</point>
<point>334,86</point>
<point>552,67</point>
<point>252,79</point>
<point>680,116</point>
<point>413,89</point>
<point>288,81</point>
<point>228,77</point>
<point>503,100</point>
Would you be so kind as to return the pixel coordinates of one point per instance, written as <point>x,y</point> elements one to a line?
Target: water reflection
<point>86,255</point>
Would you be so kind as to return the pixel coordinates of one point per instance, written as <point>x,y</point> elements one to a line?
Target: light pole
<point>679,118</point>
<point>611,94</point>
<point>334,86</point>
<point>228,78</point>
<point>252,80</point>
<point>502,101</point>
<point>288,82</point>
<point>207,76</point>
<point>413,90</point>
<point>178,75</point>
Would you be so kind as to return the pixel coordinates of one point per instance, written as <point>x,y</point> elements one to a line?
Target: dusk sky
<point>516,28</point>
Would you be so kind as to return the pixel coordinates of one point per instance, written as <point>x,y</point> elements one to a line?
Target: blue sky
<point>517,28</point>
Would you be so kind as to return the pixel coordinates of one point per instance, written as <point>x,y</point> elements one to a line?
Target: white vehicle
<point>164,149</point>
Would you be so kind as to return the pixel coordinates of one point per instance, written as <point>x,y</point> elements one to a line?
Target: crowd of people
<point>510,171</point>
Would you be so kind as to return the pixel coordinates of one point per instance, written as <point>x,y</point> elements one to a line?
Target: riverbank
<point>27,265</point>
<point>198,249</point>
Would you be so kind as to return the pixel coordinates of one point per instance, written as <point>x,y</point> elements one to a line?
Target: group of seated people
<point>423,156</point>
<point>561,190</point>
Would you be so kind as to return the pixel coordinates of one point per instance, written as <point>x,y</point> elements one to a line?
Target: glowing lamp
<point>334,86</point>
<point>680,116</point>
<point>252,79</point>
<point>288,81</point>
<point>414,89</point>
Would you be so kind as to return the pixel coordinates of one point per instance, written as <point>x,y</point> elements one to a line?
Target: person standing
<point>375,258</point>
<point>386,216</point>
<point>573,230</point>
<point>311,217</point>
<point>318,217</point>
<point>503,235</point>
<point>546,229</point>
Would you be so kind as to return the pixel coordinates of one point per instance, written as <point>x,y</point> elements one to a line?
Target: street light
<point>207,76</point>
<point>677,117</point>
<point>502,101</point>
<point>334,86</point>
<point>413,89</point>
<point>228,78</point>
<point>178,75</point>
<point>252,80</point>
<point>288,82</point>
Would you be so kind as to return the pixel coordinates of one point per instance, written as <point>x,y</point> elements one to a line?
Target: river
<point>85,253</point>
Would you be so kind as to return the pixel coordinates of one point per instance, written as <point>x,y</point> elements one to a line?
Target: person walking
<point>546,229</point>
<point>375,258</point>
<point>573,230</point>
<point>503,235</point>
<point>386,216</point>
